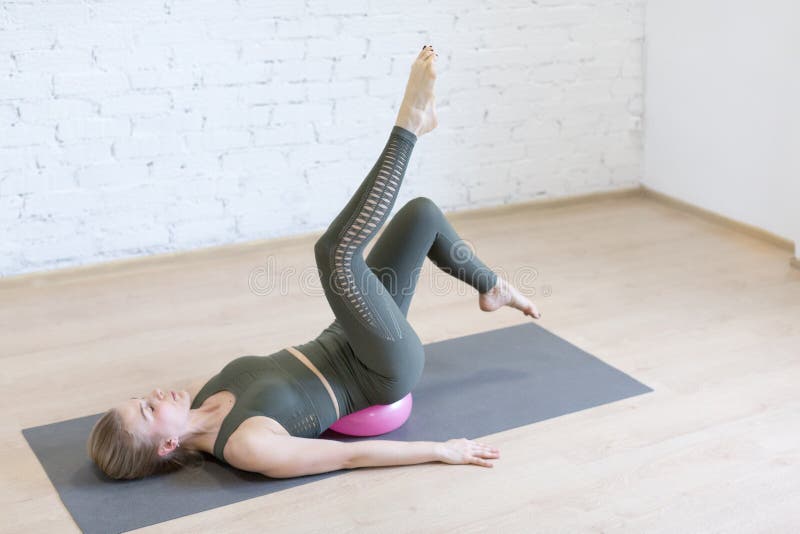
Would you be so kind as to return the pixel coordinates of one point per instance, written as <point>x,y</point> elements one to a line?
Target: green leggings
<point>370,298</point>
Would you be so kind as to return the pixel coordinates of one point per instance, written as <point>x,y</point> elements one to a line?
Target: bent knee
<point>422,207</point>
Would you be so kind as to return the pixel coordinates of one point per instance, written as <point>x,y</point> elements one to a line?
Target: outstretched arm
<point>454,451</point>
<point>279,456</point>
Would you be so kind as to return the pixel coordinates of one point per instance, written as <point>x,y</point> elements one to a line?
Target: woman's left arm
<point>377,453</point>
<point>281,456</point>
<point>457,451</point>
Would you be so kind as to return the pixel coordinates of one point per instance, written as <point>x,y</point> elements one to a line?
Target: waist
<point>314,369</point>
<point>333,356</point>
<point>310,384</point>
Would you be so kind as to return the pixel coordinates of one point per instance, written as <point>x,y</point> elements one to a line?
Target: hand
<point>466,451</point>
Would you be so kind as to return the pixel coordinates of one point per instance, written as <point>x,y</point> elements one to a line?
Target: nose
<point>158,394</point>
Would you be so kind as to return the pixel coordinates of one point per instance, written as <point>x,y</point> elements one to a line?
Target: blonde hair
<point>122,454</point>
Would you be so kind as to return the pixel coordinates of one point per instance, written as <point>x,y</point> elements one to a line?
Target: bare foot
<point>417,112</point>
<point>504,294</point>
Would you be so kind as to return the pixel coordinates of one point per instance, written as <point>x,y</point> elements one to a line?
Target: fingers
<point>483,459</point>
<point>471,452</point>
<point>481,452</point>
<point>483,447</point>
<point>479,461</point>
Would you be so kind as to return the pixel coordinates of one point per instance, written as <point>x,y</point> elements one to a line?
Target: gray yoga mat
<point>472,386</point>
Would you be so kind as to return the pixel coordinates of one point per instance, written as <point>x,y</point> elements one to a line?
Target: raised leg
<point>375,326</point>
<point>381,337</point>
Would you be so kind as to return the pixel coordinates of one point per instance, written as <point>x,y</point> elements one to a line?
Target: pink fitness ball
<point>375,420</point>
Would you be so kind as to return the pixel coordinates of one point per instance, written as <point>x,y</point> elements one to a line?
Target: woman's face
<point>160,415</point>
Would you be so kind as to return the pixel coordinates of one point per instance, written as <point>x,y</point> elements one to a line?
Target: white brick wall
<point>177,124</point>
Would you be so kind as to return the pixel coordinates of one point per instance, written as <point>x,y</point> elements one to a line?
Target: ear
<point>168,446</point>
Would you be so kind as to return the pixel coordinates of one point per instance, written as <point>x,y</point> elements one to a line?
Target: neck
<point>203,427</point>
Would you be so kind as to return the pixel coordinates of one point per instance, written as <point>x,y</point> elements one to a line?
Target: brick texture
<point>180,124</point>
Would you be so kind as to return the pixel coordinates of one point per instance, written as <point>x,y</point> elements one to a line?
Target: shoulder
<point>247,446</point>
<point>282,455</point>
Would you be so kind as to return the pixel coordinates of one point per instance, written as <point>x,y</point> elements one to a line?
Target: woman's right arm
<point>281,456</point>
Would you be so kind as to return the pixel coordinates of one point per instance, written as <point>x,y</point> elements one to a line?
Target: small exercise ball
<point>375,420</point>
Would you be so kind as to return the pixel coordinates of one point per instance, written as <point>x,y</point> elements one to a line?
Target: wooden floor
<point>706,316</point>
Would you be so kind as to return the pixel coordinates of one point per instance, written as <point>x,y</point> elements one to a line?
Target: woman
<point>261,413</point>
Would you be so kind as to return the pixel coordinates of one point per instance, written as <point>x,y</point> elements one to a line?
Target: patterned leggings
<point>370,299</point>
